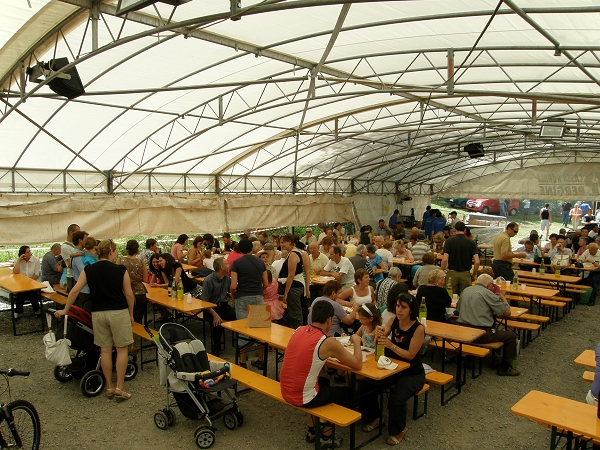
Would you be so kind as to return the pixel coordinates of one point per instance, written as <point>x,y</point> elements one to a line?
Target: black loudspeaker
<point>72,88</point>
<point>474,150</point>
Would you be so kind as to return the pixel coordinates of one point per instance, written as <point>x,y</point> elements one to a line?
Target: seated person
<point>529,250</point>
<point>383,287</point>
<point>331,290</point>
<point>435,295</point>
<point>52,267</point>
<point>376,264</point>
<point>476,308</point>
<point>592,395</point>
<point>195,254</point>
<point>209,259</point>
<point>560,255</point>
<point>29,265</point>
<point>422,273</point>
<point>154,273</point>
<point>306,354</point>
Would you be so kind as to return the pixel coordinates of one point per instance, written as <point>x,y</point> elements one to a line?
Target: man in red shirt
<point>305,356</point>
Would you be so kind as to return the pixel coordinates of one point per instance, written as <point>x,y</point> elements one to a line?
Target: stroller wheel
<point>61,374</point>
<point>161,420</point>
<point>131,370</point>
<point>205,437</point>
<point>92,383</point>
<point>240,418</point>
<point>230,420</point>
<point>170,416</point>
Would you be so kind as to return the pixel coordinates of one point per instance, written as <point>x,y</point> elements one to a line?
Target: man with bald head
<point>591,255</point>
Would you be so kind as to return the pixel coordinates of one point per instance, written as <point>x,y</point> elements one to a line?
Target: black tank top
<point>545,214</point>
<point>283,273</point>
<point>402,339</point>
<point>364,238</point>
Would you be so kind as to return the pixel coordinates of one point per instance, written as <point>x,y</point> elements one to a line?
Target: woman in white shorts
<point>112,313</point>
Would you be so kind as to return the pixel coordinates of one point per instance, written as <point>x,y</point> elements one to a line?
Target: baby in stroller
<point>196,384</point>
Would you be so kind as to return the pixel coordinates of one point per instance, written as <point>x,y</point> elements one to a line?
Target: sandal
<point>110,392</point>
<point>393,440</point>
<point>121,394</point>
<point>371,426</point>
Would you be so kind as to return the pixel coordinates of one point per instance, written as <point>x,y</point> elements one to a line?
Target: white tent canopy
<point>295,96</point>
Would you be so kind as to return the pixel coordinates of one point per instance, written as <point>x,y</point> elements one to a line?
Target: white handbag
<point>57,352</point>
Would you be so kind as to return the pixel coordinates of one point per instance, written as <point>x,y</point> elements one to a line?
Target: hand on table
<point>355,340</point>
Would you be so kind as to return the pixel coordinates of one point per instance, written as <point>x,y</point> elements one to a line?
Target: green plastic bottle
<point>423,309</point>
<point>180,291</point>
<point>449,286</point>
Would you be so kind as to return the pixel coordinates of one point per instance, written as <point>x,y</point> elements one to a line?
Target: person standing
<point>526,206</point>
<point>545,220</point>
<point>576,214</point>
<point>393,220</point>
<point>565,209</point>
<point>248,280</point>
<point>503,254</point>
<point>66,249</point>
<point>292,281</point>
<point>426,215</point>
<point>29,265</point>
<point>136,268</point>
<point>460,253</point>
<point>112,313</point>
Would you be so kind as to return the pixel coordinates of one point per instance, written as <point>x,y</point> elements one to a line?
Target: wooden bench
<point>542,320</point>
<point>332,413</point>
<point>471,351</point>
<point>493,347</point>
<point>588,376</point>
<point>525,327</point>
<point>55,297</point>
<point>440,379</point>
<point>139,331</point>
<point>60,290</point>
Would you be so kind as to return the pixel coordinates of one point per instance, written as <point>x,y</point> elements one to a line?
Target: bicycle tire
<point>27,424</point>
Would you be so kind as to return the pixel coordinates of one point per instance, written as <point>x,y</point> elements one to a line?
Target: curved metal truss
<point>299,96</point>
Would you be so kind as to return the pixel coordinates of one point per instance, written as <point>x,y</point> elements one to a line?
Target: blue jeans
<point>565,218</point>
<point>241,311</point>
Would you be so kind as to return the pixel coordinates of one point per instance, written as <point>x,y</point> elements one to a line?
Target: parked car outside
<point>491,206</point>
<point>462,202</point>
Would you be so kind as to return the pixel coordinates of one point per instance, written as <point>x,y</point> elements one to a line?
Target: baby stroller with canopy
<point>85,365</point>
<point>196,384</point>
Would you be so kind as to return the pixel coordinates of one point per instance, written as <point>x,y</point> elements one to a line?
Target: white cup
<point>455,297</point>
<point>533,271</point>
<point>508,285</point>
<point>189,298</point>
<point>523,286</point>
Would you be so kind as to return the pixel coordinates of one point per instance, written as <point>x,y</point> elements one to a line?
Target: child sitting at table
<point>370,317</point>
<point>271,298</point>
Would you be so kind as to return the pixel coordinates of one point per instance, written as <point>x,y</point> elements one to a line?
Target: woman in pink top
<point>177,249</point>
<point>271,298</point>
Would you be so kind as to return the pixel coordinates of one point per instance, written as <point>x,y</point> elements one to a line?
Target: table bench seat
<point>588,376</point>
<point>526,328</point>
<point>140,332</point>
<point>440,379</point>
<point>333,413</point>
<point>493,346</point>
<point>55,297</point>
<point>467,350</point>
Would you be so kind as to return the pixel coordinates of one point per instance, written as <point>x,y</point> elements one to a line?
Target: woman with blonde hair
<point>435,296</point>
<point>112,313</point>
<point>438,243</point>
<point>400,251</point>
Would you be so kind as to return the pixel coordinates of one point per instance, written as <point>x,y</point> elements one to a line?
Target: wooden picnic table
<point>569,416</point>
<point>587,358</point>
<point>16,284</point>
<point>531,292</point>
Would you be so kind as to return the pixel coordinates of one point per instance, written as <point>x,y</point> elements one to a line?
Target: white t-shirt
<point>344,266</point>
<point>387,256</point>
<point>31,267</point>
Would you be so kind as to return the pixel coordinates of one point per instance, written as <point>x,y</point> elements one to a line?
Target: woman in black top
<point>112,313</point>
<point>436,296</point>
<point>172,268</point>
<point>407,336</point>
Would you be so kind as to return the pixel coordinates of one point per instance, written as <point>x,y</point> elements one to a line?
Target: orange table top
<point>530,291</point>
<point>516,312</point>
<point>548,276</point>
<point>405,262</point>
<point>321,280</point>
<point>161,297</point>
<point>564,413</point>
<point>587,358</point>
<point>188,267</point>
<point>278,336</point>
<point>15,283</point>
<point>451,332</point>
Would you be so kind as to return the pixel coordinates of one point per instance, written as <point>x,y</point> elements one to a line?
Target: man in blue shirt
<point>425,216</point>
<point>393,220</point>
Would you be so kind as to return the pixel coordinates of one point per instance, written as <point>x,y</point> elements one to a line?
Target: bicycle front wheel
<point>27,426</point>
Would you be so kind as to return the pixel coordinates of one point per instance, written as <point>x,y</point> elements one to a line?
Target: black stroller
<point>196,384</point>
<point>85,365</point>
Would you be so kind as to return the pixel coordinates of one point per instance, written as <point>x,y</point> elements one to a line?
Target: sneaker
<point>310,437</point>
<point>326,442</point>
<point>258,364</point>
<point>509,372</point>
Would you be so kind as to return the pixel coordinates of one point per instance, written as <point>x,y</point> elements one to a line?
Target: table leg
<point>265,359</point>
<point>12,313</point>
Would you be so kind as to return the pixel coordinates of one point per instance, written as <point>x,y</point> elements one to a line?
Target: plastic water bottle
<point>515,282</point>
<point>423,309</point>
<point>174,290</point>
<point>180,291</point>
<point>379,349</point>
<point>542,268</point>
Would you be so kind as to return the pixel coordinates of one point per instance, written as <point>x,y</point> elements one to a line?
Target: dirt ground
<point>479,417</point>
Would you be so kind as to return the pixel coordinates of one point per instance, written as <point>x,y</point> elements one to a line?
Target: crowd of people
<point>368,295</point>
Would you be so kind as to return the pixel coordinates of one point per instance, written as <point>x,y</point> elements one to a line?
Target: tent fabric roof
<point>296,96</point>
